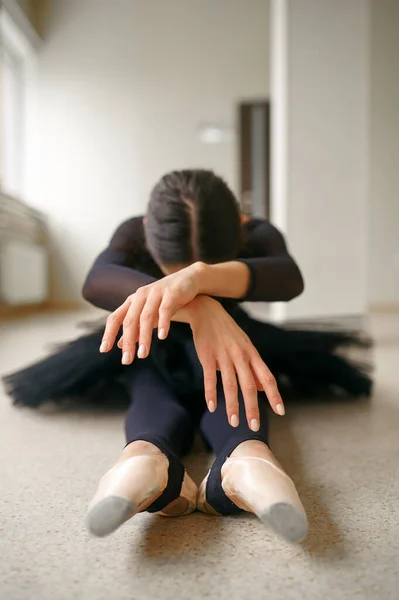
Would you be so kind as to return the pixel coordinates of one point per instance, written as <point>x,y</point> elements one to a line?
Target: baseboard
<point>384,309</point>
<point>8,313</point>
<point>354,322</point>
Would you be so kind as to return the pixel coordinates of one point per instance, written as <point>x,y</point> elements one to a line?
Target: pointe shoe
<point>258,486</point>
<point>130,487</point>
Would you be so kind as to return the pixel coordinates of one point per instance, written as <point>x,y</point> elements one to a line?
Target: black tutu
<point>305,362</point>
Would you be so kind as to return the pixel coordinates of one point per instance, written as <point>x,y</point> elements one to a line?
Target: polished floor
<point>344,457</point>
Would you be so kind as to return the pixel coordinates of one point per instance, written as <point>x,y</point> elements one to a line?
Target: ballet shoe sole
<point>109,514</point>
<point>286,520</point>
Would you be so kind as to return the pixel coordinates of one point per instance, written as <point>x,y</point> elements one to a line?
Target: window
<point>19,44</point>
<point>11,119</point>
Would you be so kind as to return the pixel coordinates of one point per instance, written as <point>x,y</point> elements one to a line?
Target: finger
<point>131,329</point>
<point>249,391</point>
<point>269,385</point>
<point>209,368</point>
<point>230,387</point>
<point>148,320</point>
<point>167,309</point>
<point>258,383</point>
<point>120,343</point>
<point>113,325</point>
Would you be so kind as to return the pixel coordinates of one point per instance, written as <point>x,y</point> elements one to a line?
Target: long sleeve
<point>115,273</point>
<point>275,276</point>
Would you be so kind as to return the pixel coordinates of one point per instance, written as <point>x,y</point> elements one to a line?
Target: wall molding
<point>10,313</point>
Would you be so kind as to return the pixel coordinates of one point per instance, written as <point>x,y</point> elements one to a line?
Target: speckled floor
<point>344,457</point>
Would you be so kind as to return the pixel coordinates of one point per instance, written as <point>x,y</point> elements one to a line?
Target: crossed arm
<point>141,303</point>
<point>271,276</point>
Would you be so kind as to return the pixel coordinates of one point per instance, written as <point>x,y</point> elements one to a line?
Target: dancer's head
<point>192,216</point>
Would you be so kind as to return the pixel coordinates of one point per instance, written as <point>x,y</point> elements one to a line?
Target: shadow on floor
<point>324,540</point>
<point>185,537</point>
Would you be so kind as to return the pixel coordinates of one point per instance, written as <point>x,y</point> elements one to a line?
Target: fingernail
<point>255,425</point>
<point>162,334</point>
<point>280,409</point>
<point>104,347</point>
<point>141,351</point>
<point>234,421</point>
<point>126,358</point>
<point>211,407</point>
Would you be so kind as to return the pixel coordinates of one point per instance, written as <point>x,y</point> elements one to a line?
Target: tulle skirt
<point>312,362</point>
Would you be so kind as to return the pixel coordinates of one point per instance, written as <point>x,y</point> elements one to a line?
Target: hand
<point>222,345</point>
<point>151,306</point>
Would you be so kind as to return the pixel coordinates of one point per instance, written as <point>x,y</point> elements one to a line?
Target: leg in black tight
<point>149,474</point>
<point>156,411</point>
<point>156,416</point>
<point>223,439</point>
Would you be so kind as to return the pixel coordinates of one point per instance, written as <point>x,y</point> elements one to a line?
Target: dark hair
<point>192,216</point>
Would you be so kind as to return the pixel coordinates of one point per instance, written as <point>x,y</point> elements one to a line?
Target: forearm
<point>267,279</point>
<point>274,279</point>
<point>107,286</point>
<point>224,280</point>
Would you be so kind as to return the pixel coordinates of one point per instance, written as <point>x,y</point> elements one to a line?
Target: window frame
<point>19,46</point>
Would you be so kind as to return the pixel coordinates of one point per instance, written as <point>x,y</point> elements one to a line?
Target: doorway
<point>254,157</point>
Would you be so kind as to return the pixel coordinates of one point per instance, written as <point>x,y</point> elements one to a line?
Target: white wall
<point>123,87</point>
<point>323,165</point>
<point>384,171</point>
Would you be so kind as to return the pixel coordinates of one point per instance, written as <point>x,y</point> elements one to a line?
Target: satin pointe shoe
<point>256,485</point>
<point>139,481</point>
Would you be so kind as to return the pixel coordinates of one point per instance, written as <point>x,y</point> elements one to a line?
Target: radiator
<point>24,256</point>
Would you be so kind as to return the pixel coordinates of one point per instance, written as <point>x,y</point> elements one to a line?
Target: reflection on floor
<point>344,457</point>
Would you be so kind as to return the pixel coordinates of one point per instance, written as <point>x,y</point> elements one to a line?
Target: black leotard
<point>127,265</point>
